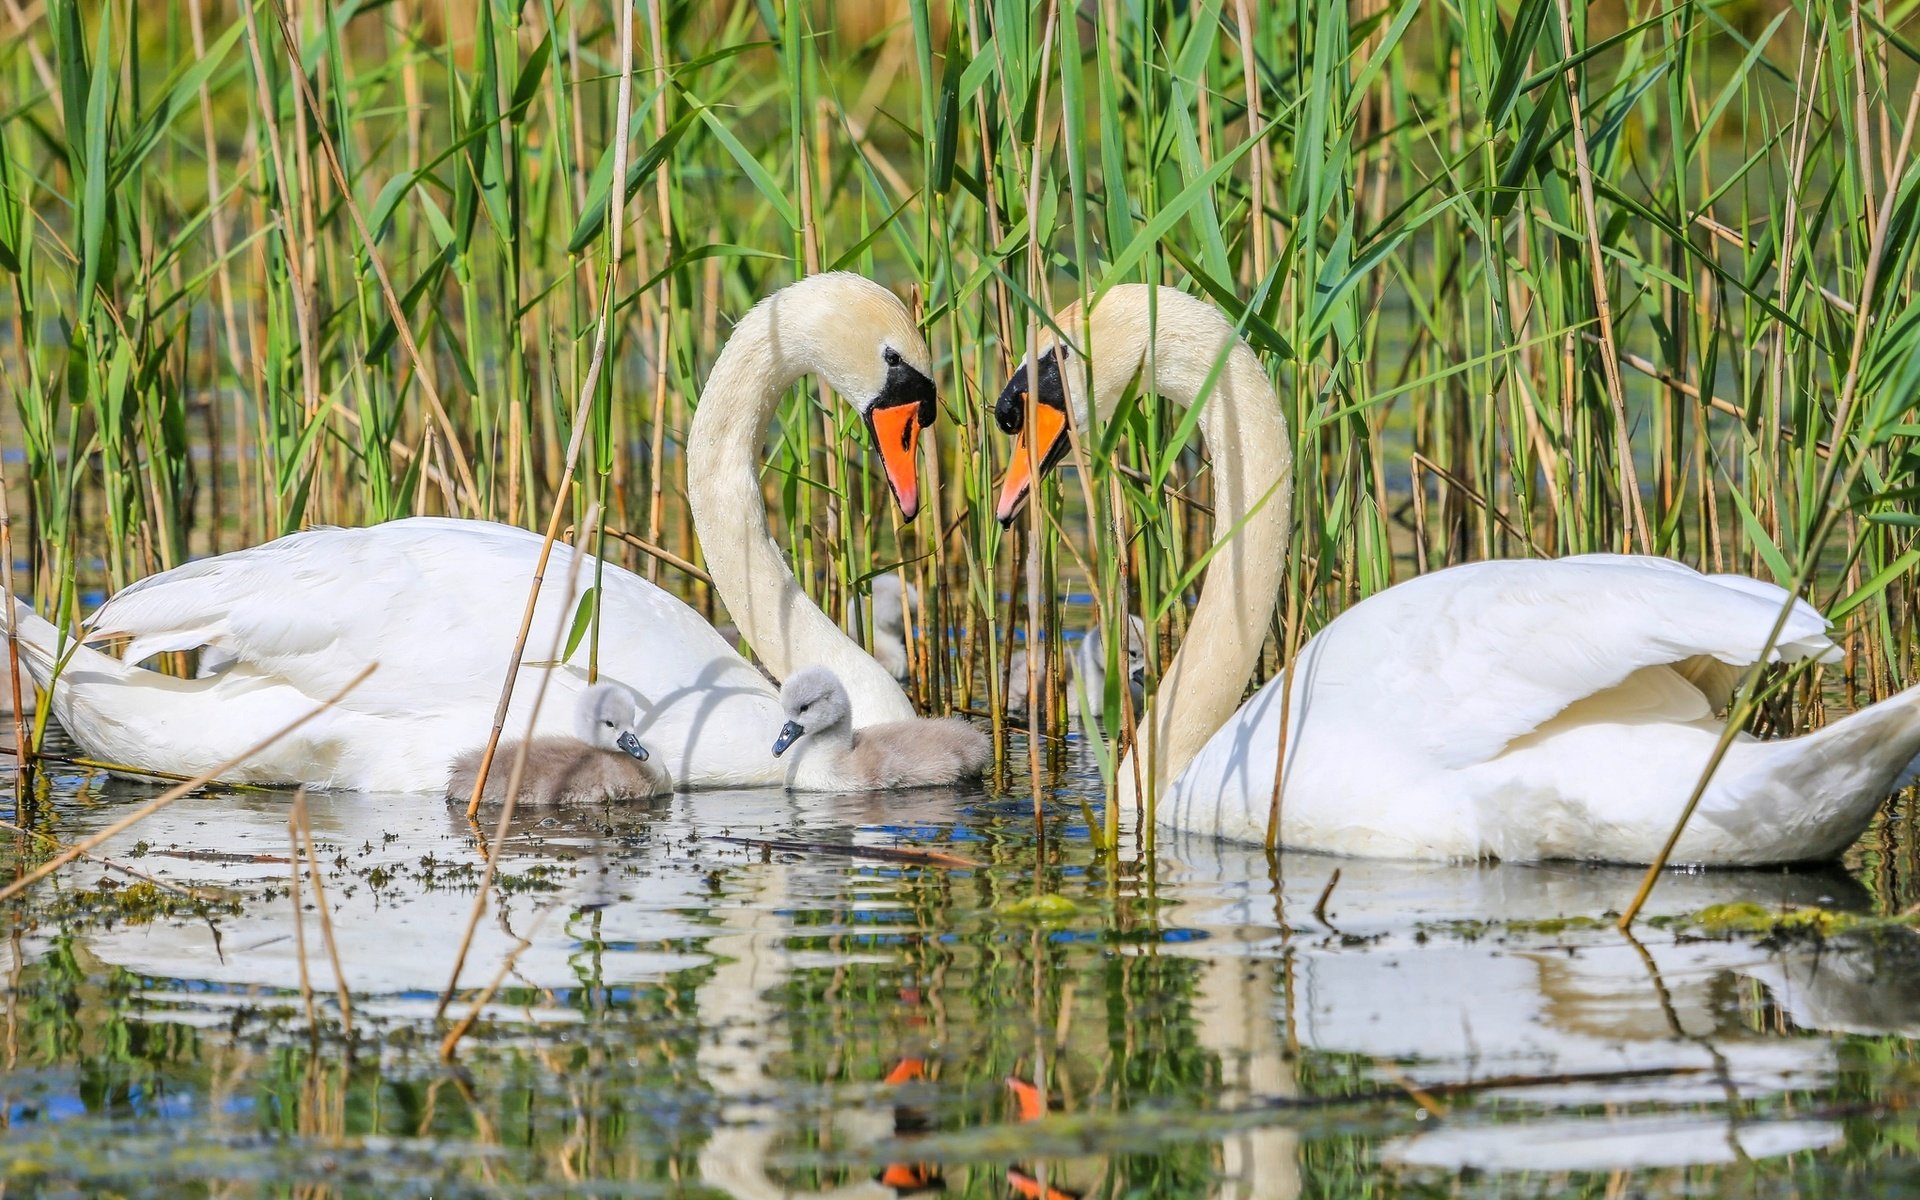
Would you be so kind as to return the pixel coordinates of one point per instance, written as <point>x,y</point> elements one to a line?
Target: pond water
<point>683,1015</point>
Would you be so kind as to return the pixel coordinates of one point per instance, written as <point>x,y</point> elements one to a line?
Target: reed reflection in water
<point>697,1016</point>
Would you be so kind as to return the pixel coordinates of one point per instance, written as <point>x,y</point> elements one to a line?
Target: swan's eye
<point>891,356</point>
<point>608,724</point>
<point>1065,350</point>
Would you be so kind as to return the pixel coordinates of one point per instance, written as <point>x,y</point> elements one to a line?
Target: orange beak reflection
<point>896,431</point>
<point>1048,429</point>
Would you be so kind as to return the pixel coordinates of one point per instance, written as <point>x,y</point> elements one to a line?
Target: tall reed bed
<point>1532,279</point>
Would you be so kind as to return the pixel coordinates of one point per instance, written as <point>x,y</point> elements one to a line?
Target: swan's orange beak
<point>1048,429</point>
<point>896,431</point>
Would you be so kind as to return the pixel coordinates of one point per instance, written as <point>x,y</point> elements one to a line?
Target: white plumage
<point>1518,710</point>
<point>1537,710</point>
<point>437,602</point>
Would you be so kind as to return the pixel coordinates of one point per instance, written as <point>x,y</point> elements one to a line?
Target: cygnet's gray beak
<point>789,734</point>
<point>1138,678</point>
<point>630,742</point>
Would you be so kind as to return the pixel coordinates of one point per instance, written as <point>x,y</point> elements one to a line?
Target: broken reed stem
<point>169,796</point>
<point>901,854</point>
<point>303,817</point>
<point>617,220</point>
<point>299,922</point>
<point>1414,1091</point>
<point>487,993</point>
<point>1326,894</point>
<point>1469,1087</point>
<point>97,764</point>
<point>507,806</point>
<point>1473,496</point>
<point>115,865</point>
<point>646,547</point>
<point>1738,715</point>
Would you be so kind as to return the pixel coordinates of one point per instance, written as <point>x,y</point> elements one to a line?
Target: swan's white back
<point>436,602</point>
<point>1530,710</point>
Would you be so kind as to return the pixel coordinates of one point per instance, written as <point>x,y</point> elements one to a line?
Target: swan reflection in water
<point>1419,972</point>
<point>1464,973</point>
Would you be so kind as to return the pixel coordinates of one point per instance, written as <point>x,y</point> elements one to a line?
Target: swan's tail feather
<point>1815,794</point>
<point>1883,737</point>
<point>38,640</point>
<point>42,648</point>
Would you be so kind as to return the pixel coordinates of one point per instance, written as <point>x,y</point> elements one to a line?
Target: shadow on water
<point>693,1016</point>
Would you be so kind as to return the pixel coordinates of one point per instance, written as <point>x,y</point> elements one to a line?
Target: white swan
<point>436,602</point>
<point>833,756</point>
<point>1519,710</point>
<point>603,760</point>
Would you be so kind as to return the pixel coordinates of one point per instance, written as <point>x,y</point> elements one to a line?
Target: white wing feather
<point>436,601</point>
<point>1468,659</point>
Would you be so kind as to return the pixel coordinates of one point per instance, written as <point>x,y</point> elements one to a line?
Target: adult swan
<point>436,602</point>
<point>1515,710</point>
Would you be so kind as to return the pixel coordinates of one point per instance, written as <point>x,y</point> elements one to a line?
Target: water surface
<point>685,1015</point>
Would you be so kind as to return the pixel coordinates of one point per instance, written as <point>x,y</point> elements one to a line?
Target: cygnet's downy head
<point>608,718</point>
<point>1136,650</point>
<point>815,701</point>
<point>1093,652</point>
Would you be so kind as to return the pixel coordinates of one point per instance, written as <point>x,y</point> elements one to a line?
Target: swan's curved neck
<point>1246,435</point>
<point>775,615</point>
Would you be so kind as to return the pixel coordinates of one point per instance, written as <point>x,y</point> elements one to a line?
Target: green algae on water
<point>1041,909</point>
<point>139,903</point>
<point>1810,921</point>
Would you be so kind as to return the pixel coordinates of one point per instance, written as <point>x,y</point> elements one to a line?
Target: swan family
<point>1514,710</point>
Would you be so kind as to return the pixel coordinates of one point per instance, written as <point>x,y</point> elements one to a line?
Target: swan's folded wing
<point>1805,635</point>
<point>1464,661</point>
<point>316,607</point>
<point>210,602</point>
<point>436,602</point>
